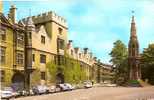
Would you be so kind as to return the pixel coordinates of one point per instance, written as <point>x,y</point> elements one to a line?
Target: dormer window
<point>61,44</point>
<point>72,52</point>
<point>79,55</point>
<point>60,31</point>
<point>42,39</point>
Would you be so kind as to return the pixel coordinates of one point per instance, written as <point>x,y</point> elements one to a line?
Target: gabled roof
<point>21,23</point>
<point>4,20</point>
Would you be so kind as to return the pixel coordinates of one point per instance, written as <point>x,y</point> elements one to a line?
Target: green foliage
<point>70,69</point>
<point>73,72</point>
<point>147,63</point>
<point>52,68</point>
<point>118,53</point>
<point>119,56</point>
<point>35,77</point>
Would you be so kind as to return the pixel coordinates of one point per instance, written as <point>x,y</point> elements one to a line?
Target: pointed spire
<point>133,20</point>
<point>133,27</point>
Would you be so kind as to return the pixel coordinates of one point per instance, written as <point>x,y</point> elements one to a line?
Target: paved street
<point>100,93</point>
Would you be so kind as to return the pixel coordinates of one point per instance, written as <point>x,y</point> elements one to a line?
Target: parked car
<point>62,87</point>
<point>40,89</point>
<point>52,89</point>
<point>23,92</point>
<point>8,93</point>
<point>31,92</point>
<point>88,84</point>
<point>65,87</point>
<point>70,87</point>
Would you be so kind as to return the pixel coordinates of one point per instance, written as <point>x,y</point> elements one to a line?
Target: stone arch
<point>18,80</point>
<point>60,78</point>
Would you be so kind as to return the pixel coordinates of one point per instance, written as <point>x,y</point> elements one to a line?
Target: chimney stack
<point>85,50</point>
<point>1,6</point>
<point>12,13</point>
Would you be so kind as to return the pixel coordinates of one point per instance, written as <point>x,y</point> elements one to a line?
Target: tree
<point>119,58</point>
<point>147,63</point>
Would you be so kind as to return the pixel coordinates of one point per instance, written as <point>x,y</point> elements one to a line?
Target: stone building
<point>133,54</point>
<point>12,50</point>
<point>46,36</point>
<point>95,70</point>
<point>28,45</point>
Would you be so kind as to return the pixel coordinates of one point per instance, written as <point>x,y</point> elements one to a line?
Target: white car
<point>88,84</point>
<point>7,93</point>
<point>40,89</point>
<point>52,89</point>
<point>70,87</point>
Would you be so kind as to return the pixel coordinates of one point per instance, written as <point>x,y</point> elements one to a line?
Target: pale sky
<point>96,24</point>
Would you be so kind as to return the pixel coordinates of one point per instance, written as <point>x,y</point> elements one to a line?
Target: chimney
<point>95,58</point>
<point>85,50</point>
<point>76,49</point>
<point>12,13</point>
<point>69,43</point>
<point>91,54</point>
<point>1,6</point>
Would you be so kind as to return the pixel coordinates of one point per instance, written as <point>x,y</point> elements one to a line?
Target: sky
<point>96,24</point>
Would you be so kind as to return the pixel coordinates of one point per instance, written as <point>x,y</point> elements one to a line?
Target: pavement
<point>100,93</point>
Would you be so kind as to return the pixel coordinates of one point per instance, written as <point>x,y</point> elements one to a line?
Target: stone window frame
<point>2,34</point>
<point>2,75</point>
<point>20,39</point>
<point>60,31</point>
<point>42,39</point>
<point>72,52</point>
<point>43,76</point>
<point>80,55</point>
<point>2,55</point>
<point>33,57</point>
<point>42,58</point>
<point>61,43</point>
<point>19,58</point>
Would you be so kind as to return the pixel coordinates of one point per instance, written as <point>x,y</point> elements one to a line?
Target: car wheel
<point>47,91</point>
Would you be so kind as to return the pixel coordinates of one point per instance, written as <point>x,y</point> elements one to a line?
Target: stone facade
<point>12,48</point>
<point>27,46</point>
<point>95,70</point>
<point>46,38</point>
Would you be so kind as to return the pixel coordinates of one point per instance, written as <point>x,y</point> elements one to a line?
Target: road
<point>100,93</point>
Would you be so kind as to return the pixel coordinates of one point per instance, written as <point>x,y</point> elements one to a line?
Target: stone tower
<point>133,53</point>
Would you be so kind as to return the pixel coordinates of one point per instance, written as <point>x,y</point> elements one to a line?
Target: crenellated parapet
<point>48,17</point>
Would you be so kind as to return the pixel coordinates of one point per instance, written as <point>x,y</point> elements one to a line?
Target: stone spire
<point>133,53</point>
<point>133,27</point>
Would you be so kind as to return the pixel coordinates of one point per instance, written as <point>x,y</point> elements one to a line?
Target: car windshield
<point>8,89</point>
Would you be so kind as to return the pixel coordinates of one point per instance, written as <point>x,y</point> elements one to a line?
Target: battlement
<point>49,16</point>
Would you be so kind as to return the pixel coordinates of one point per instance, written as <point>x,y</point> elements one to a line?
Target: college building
<point>28,45</point>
